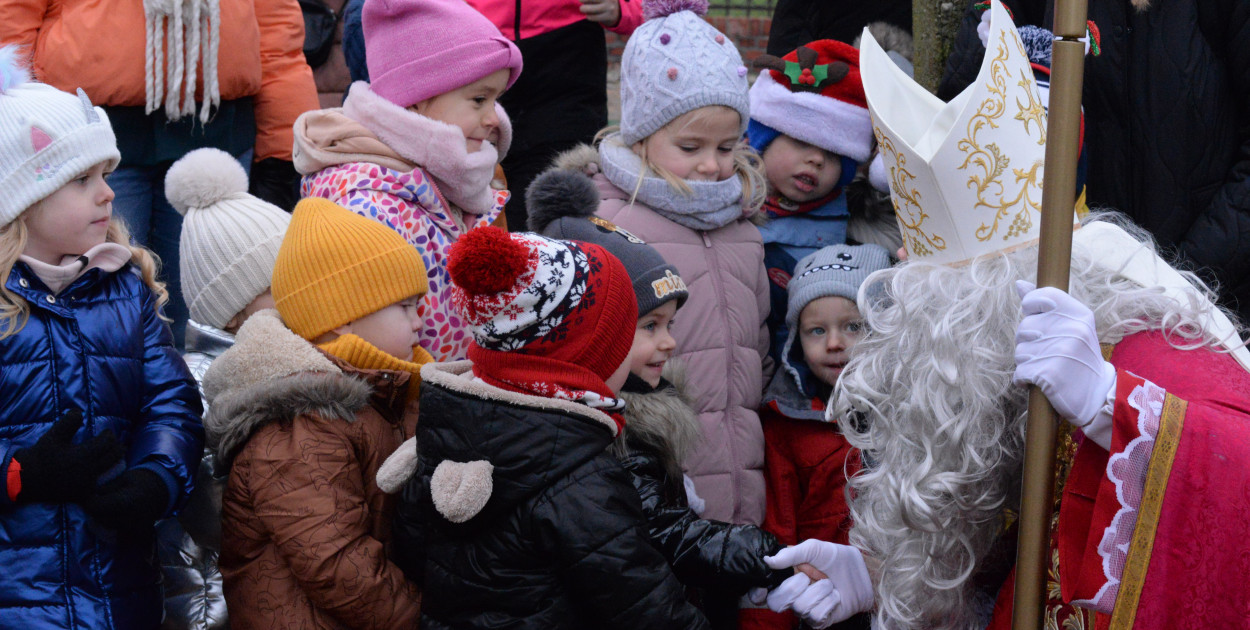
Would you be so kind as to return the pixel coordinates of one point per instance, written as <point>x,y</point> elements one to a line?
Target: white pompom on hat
<point>229,240</point>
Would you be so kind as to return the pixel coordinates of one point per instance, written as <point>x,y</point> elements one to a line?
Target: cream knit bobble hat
<point>229,238</point>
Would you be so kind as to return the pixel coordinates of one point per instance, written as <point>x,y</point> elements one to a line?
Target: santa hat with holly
<point>813,94</point>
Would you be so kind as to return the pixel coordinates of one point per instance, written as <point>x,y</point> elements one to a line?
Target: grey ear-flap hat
<point>562,205</point>
<point>837,270</point>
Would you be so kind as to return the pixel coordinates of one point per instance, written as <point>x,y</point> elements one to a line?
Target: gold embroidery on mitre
<point>1023,194</point>
<point>906,201</point>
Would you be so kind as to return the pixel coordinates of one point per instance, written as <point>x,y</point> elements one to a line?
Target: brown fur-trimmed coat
<point>305,528</point>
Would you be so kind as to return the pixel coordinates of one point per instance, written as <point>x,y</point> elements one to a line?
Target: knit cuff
<point>172,487</point>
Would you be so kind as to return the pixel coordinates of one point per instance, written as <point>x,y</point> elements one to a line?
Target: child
<point>416,149</point>
<point>518,516</point>
<point>302,411</point>
<point>228,247</point>
<point>101,432</point>
<point>660,422</point>
<point>810,124</point>
<point>678,176</point>
<point>807,459</point>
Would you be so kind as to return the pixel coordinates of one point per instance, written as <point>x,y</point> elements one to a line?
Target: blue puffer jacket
<point>97,346</point>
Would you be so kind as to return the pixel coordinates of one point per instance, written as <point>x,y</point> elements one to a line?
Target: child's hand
<point>810,571</point>
<point>605,12</point>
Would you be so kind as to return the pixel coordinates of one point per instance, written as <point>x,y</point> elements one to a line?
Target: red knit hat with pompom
<point>571,303</point>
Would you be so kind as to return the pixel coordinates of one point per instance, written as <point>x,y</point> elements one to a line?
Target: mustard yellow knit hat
<point>335,267</point>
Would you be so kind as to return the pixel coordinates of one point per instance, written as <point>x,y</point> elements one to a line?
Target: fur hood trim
<point>664,421</point>
<point>458,377</point>
<point>273,375</point>
<point>583,158</point>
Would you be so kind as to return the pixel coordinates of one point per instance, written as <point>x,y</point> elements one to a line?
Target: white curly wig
<point>929,400</point>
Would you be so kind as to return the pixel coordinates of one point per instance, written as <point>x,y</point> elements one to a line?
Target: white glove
<point>1057,350</point>
<point>983,29</point>
<point>780,599</point>
<point>695,501</point>
<point>847,591</point>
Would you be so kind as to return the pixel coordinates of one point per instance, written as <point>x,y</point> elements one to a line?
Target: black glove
<point>55,470</point>
<point>136,499</point>
<point>275,181</point>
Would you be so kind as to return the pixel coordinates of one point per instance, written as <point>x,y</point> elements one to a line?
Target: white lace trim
<point>1127,470</point>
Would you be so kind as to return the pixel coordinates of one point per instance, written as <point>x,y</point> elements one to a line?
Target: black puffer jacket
<point>555,537</point>
<point>660,425</point>
<point>1167,122</point>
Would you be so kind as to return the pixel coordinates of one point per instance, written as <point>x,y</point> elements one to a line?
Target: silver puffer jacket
<point>188,545</point>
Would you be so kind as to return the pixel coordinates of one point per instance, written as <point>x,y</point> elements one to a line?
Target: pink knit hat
<point>418,49</point>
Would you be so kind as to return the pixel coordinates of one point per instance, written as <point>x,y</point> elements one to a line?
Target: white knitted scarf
<point>171,83</point>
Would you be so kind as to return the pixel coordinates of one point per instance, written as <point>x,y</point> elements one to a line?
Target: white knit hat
<point>230,239</point>
<point>676,63</point>
<point>47,138</point>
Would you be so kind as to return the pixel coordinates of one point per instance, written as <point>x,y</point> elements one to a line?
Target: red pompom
<point>486,260</point>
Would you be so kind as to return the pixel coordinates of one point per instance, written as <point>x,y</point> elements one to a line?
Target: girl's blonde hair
<point>748,166</point>
<point>14,311</point>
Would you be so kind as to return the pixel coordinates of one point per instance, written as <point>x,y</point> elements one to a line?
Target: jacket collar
<point>524,443</point>
<point>784,395</point>
<point>388,388</point>
<point>207,340</point>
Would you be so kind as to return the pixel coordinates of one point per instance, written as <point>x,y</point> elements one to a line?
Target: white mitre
<point>966,176</point>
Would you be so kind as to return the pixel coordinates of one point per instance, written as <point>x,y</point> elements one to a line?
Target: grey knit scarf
<point>712,205</point>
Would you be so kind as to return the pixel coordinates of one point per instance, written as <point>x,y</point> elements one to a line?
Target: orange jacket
<point>98,45</point>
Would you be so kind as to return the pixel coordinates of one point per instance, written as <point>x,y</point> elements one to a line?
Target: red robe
<point>1156,533</point>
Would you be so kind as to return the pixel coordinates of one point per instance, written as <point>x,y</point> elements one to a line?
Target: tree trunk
<point>934,23</point>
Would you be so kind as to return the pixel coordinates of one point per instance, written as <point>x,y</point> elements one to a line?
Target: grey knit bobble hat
<point>229,239</point>
<point>675,63</point>
<point>562,205</point>
<point>837,270</point>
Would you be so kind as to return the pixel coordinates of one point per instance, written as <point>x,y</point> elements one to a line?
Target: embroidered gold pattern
<point>906,200</point>
<point>1058,615</point>
<point>1167,440</point>
<point>1023,195</point>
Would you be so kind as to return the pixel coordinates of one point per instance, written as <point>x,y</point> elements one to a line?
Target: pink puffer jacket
<point>722,340</point>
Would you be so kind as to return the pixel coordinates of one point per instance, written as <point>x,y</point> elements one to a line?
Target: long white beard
<point>929,399</point>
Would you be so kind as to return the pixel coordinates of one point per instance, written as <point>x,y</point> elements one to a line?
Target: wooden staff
<point>1053,266</point>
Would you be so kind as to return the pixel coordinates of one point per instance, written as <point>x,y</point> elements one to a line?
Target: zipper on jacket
<point>516,23</point>
<point>719,287</point>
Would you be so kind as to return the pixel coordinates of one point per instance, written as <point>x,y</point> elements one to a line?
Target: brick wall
<point>750,35</point>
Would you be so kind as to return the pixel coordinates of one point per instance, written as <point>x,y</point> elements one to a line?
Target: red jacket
<point>535,17</point>
<point>807,462</point>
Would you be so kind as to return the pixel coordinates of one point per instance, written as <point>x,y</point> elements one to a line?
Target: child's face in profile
<point>71,220</point>
<point>259,303</point>
<point>800,171</point>
<point>471,108</point>
<point>653,343</point>
<point>828,328</point>
<point>698,145</point>
<point>393,329</point>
